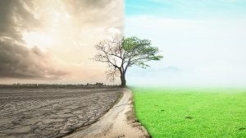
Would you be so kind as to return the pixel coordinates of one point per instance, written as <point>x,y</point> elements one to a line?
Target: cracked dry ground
<point>52,113</point>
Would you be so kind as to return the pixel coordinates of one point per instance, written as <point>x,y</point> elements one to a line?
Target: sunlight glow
<point>52,31</point>
<point>40,40</point>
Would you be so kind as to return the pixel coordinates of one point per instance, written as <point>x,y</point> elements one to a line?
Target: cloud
<point>209,51</point>
<point>17,61</point>
<point>45,39</point>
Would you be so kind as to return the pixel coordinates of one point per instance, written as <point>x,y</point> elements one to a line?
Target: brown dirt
<point>52,112</point>
<point>119,122</point>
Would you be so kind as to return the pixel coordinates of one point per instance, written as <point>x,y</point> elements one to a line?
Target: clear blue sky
<point>187,8</point>
<point>202,41</point>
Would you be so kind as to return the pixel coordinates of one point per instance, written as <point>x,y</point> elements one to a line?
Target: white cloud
<point>212,52</point>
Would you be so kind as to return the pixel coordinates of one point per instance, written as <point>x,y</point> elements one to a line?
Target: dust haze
<point>52,41</point>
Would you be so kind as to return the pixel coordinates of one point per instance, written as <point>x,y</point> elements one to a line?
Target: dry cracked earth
<point>52,113</point>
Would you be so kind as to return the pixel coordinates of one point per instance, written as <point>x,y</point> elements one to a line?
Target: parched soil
<point>119,122</point>
<point>52,112</point>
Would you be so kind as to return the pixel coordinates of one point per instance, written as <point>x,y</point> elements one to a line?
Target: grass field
<point>192,113</point>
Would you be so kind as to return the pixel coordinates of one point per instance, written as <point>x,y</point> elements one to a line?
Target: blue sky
<point>203,42</point>
<point>187,8</point>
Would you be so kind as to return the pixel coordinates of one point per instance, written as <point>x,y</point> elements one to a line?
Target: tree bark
<point>123,80</point>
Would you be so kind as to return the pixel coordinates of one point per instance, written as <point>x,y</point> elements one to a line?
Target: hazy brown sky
<point>52,41</point>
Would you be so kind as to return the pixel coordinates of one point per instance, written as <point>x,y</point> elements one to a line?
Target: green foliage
<point>121,53</point>
<point>192,113</point>
<point>139,51</point>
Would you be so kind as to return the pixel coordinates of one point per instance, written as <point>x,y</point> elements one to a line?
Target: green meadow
<point>192,113</point>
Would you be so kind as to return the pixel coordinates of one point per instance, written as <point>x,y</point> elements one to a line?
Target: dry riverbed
<point>52,112</point>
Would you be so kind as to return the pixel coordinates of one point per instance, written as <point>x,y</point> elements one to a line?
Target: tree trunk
<point>123,80</point>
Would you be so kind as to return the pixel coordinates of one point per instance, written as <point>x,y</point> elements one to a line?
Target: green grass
<point>192,113</point>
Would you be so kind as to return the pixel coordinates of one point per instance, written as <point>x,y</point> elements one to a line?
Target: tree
<point>120,53</point>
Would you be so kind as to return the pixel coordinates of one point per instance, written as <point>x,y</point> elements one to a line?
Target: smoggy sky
<point>52,41</point>
<point>203,42</point>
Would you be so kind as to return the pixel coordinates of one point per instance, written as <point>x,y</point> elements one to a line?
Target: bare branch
<point>120,53</point>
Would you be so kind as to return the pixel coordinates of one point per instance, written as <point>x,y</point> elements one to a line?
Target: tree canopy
<point>120,53</point>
